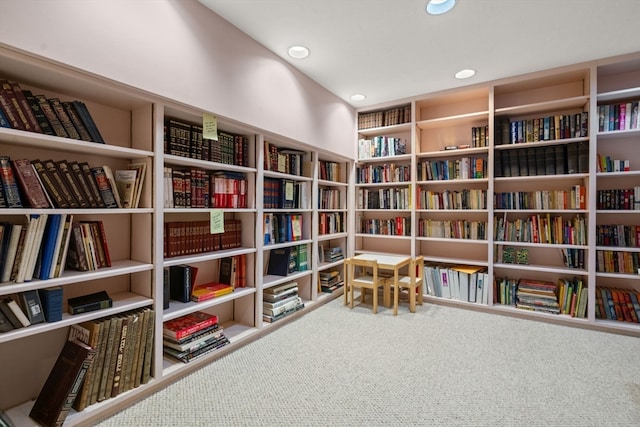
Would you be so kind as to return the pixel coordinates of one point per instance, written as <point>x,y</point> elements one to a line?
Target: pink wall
<point>181,50</point>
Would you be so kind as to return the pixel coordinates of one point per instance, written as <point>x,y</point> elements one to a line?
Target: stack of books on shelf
<point>607,164</point>
<point>466,283</point>
<point>473,198</point>
<point>614,303</point>
<point>330,281</point>
<point>620,199</point>
<point>30,307</point>
<point>186,140</point>
<point>452,169</point>
<point>330,223</point>
<point>101,359</point>
<point>280,301</point>
<point>398,226</point>
<point>387,172</point>
<point>63,184</point>
<point>537,295</point>
<point>21,109</point>
<point>330,254</point>
<point>543,160</point>
<point>572,297</point>
<point>88,249</point>
<point>193,335</point>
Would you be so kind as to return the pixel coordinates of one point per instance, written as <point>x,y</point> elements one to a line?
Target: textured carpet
<point>441,366</point>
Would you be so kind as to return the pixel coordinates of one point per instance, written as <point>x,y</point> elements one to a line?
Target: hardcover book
<point>9,183</point>
<point>180,282</point>
<point>87,119</point>
<point>31,305</point>
<point>38,113</point>
<point>279,261</point>
<point>91,302</point>
<point>51,116</point>
<point>64,118</point>
<point>182,327</point>
<point>51,299</point>
<point>104,186</point>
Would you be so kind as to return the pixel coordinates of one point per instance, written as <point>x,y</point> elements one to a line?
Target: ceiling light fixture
<point>465,74</point>
<point>438,7</point>
<point>298,52</point>
<point>358,97</point>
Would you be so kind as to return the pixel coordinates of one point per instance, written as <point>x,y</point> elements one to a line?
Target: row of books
<point>329,171</point>
<point>398,226</point>
<point>381,146</point>
<point>460,282</point>
<point>68,184</point>
<point>619,116</point>
<point>543,160</point>
<point>479,136</point>
<point>288,260</point>
<point>541,229</point>
<point>330,281</point>
<point>193,335</point>
<point>186,140</point>
<point>198,188</point>
<point>618,235</point>
<point>280,301</point>
<point>329,198</point>
<point>389,117</point>
<point>559,126</point>
<point>617,262</point>
<point>280,228</point>
<point>511,255</point>
<point>607,164</point>
<point>575,198</point>
<point>444,170</point>
<point>452,199</point>
<point>568,296</point>
<point>282,193</point>
<point>195,237</point>
<point>25,309</point>
<point>21,109</point>
<point>619,199</point>
<point>101,359</point>
<point>384,198</point>
<point>452,229</point>
<point>284,160</point>
<point>618,304</point>
<point>330,223</point>
<point>387,172</point>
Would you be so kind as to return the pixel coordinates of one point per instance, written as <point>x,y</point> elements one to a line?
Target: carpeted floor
<point>441,366</point>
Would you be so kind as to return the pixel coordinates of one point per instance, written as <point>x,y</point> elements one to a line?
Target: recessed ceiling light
<point>438,7</point>
<point>358,97</point>
<point>298,52</point>
<point>465,74</point>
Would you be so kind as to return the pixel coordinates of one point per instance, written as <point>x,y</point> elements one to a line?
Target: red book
<point>186,325</point>
<point>29,181</point>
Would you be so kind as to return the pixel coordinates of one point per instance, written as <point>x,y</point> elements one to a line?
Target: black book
<point>550,160</point>
<point>64,118</point>
<point>560,155</point>
<point>90,302</point>
<point>9,314</point>
<point>89,123</point>
<point>91,181</point>
<point>572,158</point>
<point>514,164</point>
<point>531,161</point>
<point>39,114</point>
<point>583,157</point>
<point>51,116</point>
<point>50,185</point>
<point>77,122</point>
<point>541,167</point>
<point>279,261</point>
<point>72,183</point>
<point>5,324</point>
<point>166,285</point>
<point>497,161</point>
<point>180,282</point>
<point>523,162</point>
<point>31,305</point>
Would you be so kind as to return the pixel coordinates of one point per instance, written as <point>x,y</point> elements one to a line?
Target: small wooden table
<point>388,262</point>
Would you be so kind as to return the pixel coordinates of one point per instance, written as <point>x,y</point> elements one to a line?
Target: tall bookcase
<point>509,179</point>
<point>136,127</point>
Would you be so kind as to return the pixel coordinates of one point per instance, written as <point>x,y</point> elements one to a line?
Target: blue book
<point>49,245</point>
<point>4,122</point>
<point>51,299</point>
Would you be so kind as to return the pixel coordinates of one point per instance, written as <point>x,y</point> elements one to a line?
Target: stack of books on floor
<point>330,281</point>
<point>537,295</point>
<point>193,335</point>
<point>279,301</point>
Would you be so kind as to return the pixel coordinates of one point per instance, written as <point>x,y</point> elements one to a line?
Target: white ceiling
<point>392,49</point>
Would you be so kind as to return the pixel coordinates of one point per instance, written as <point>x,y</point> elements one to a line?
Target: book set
<point>573,198</point>
<point>614,303</point>
<point>21,109</point>
<point>559,126</point>
<point>398,226</point>
<point>283,193</point>
<point>459,282</point>
<point>194,237</point>
<point>330,281</point>
<point>331,223</point>
<point>473,198</point>
<point>452,229</point>
<point>383,173</point>
<point>388,117</point>
<point>329,171</point>
<point>543,160</point>
<point>384,198</point>
<point>185,139</point>
<point>284,160</point>
<point>280,301</point>
<point>193,335</point>
<point>452,169</point>
<point>329,198</point>
<point>198,188</point>
<point>381,146</point>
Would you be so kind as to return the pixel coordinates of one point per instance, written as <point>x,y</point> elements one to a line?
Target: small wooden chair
<point>413,282</point>
<point>363,274</point>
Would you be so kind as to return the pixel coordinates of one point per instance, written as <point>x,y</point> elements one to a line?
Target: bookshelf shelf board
<point>384,184</point>
<point>629,93</point>
<point>617,174</point>
<point>542,268</point>
<point>384,210</point>
<point>541,143</point>
<point>618,248</point>
<point>333,210</point>
<point>327,296</point>
<point>208,256</point>
<point>456,120</point>
<point>546,106</point>
<point>459,152</point>
<point>618,325</point>
<point>121,302</point>
<point>325,183</point>
<point>618,211</point>
<point>554,178</point>
<point>549,211</point>
<point>443,260</point>
<point>451,240</point>
<point>67,145</point>
<point>382,236</point>
<point>453,181</point>
<point>207,210</point>
<point>626,276</point>
<point>286,244</point>
<point>453,211</point>
<point>322,237</point>
<point>453,302</point>
<point>404,127</point>
<point>618,134</point>
<point>172,160</point>
<point>539,245</point>
<point>535,314</point>
<point>106,211</point>
<point>270,280</point>
<point>177,309</point>
<point>282,210</point>
<point>327,265</point>
<point>386,159</point>
<point>272,174</point>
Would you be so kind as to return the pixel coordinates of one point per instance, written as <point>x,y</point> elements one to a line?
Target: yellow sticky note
<point>216,221</point>
<point>209,126</point>
<point>288,190</point>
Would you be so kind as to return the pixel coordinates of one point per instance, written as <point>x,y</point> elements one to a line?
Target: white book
<point>126,185</point>
<point>141,169</point>
<point>480,284</point>
<point>112,183</point>
<point>36,247</point>
<point>32,225</point>
<point>444,282</point>
<point>485,288</point>
<point>12,248</point>
<point>17,311</point>
<point>66,238</point>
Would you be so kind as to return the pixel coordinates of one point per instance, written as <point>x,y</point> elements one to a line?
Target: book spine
<point>77,121</point>
<point>51,116</point>
<point>64,118</point>
<point>30,184</point>
<point>9,184</point>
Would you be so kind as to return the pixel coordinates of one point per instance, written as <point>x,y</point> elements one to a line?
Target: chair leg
<point>375,300</point>
<point>420,296</point>
<point>412,299</point>
<point>351,296</point>
<point>396,298</point>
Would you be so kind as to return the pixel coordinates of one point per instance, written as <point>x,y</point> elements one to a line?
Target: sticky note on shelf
<point>209,126</point>
<point>216,221</point>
